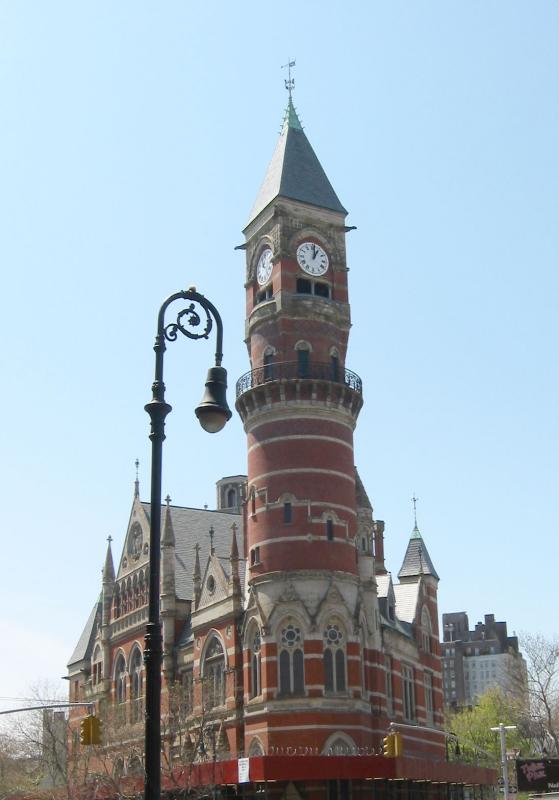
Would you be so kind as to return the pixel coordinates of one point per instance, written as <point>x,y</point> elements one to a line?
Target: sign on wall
<point>243,767</point>
<point>537,774</point>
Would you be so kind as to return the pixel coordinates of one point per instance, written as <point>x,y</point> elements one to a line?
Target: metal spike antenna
<point>414,501</point>
<point>289,81</point>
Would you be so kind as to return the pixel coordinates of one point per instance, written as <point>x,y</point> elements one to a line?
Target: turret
<point>299,405</point>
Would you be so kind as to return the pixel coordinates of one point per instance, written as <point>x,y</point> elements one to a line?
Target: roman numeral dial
<point>312,258</point>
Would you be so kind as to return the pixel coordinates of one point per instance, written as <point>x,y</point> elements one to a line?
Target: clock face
<point>312,258</point>
<point>264,267</point>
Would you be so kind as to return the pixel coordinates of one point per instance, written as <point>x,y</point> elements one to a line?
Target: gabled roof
<point>190,527</point>
<point>417,560</point>
<point>295,172</point>
<point>84,646</point>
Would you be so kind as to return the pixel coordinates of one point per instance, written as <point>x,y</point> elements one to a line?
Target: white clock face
<point>264,267</point>
<point>312,259</point>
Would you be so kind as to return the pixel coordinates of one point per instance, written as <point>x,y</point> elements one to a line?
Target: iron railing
<point>293,370</point>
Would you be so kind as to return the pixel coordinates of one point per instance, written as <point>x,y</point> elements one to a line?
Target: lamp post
<point>212,413</point>
<point>501,730</point>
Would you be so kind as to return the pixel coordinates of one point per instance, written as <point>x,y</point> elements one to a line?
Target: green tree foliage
<point>470,728</point>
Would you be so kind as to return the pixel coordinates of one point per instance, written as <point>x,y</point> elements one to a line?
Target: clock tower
<point>299,405</point>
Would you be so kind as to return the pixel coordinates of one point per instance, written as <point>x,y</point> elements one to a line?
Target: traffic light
<point>90,730</point>
<point>85,731</point>
<point>95,730</point>
<point>398,744</point>
<point>388,746</point>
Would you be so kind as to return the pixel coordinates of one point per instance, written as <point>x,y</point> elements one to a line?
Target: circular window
<point>333,635</point>
<point>210,584</point>
<point>290,635</point>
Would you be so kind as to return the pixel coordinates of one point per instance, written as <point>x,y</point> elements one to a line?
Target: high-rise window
<point>334,659</point>
<point>137,670</point>
<point>303,361</point>
<point>287,512</point>
<point>388,685</point>
<point>408,691</point>
<point>428,681</point>
<point>291,661</point>
<point>268,362</point>
<point>213,675</point>
<point>255,666</point>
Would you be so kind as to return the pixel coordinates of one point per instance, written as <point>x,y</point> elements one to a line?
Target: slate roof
<point>191,526</point>
<point>417,560</point>
<point>407,595</point>
<point>383,584</point>
<point>84,646</point>
<point>295,172</point>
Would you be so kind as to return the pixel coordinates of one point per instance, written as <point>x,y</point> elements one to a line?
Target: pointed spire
<point>108,568</point>
<point>168,538</point>
<point>197,576</point>
<point>416,560</point>
<point>137,481</point>
<point>415,533</point>
<point>234,547</point>
<point>294,171</point>
<point>211,534</point>
<point>234,580</point>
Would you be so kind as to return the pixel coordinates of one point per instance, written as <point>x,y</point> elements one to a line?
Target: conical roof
<point>417,560</point>
<point>295,172</point>
<point>108,567</point>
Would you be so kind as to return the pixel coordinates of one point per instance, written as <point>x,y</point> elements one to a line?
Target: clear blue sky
<point>134,136</point>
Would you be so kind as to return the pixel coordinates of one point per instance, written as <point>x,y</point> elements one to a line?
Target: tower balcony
<point>289,371</point>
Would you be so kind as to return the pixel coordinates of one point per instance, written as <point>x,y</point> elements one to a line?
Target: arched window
<point>231,498</point>
<point>291,661</point>
<point>267,362</point>
<point>117,603</point>
<point>136,592</point>
<point>335,365</point>
<point>213,675</point>
<point>97,667</point>
<point>255,748</point>
<point>142,587</point>
<point>340,744</point>
<point>303,359</point>
<point>120,686</point>
<point>330,530</point>
<point>334,659</point>
<point>255,666</point>
<point>136,669</point>
<point>425,630</point>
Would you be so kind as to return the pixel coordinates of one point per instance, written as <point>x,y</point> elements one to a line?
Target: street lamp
<point>212,413</point>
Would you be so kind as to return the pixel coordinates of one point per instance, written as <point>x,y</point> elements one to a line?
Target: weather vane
<point>289,81</point>
<point>414,501</point>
